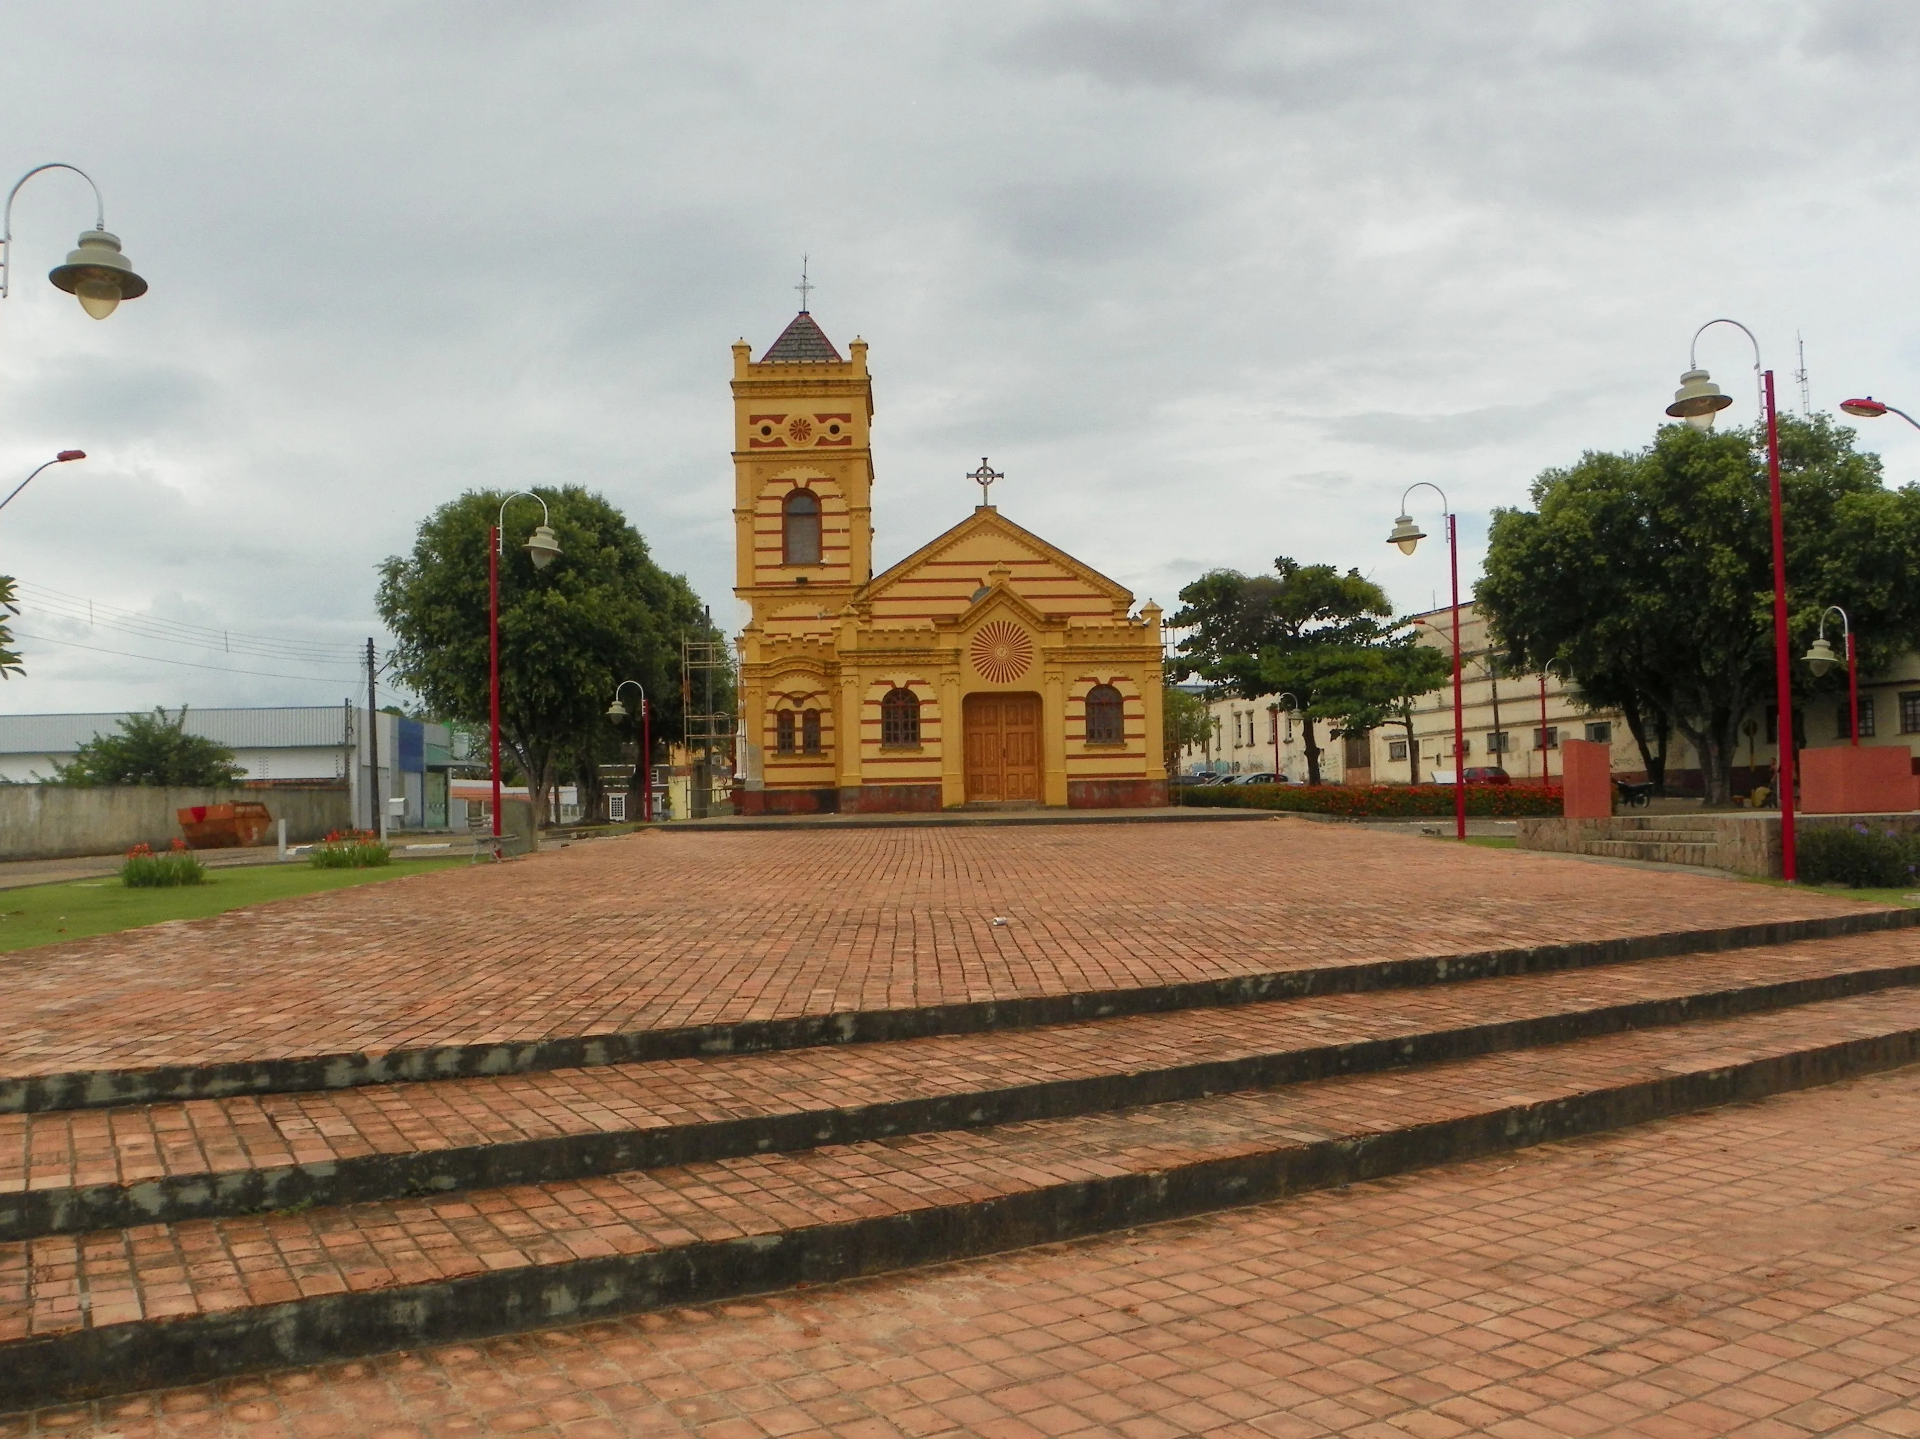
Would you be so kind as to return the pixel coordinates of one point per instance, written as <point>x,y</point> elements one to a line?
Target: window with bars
<point>810,731</point>
<point>1396,749</point>
<point>1106,716</point>
<point>1547,738</point>
<point>900,719</point>
<point>1601,732</point>
<point>1910,712</point>
<point>783,732</point>
<point>1843,727</point>
<point>1499,742</point>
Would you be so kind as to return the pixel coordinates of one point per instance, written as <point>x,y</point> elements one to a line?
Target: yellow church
<point>987,668</point>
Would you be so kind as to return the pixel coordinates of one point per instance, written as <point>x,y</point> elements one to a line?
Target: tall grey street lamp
<point>1820,658</point>
<point>1407,535</point>
<point>60,459</point>
<point>542,550</point>
<point>643,771</point>
<point>96,273</point>
<point>1697,401</point>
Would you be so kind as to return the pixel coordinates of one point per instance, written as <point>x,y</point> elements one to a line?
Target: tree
<point>151,749</point>
<point>1184,722</point>
<point>1395,672</point>
<point>1648,576</point>
<point>602,612</point>
<point>9,657</point>
<point>1309,631</point>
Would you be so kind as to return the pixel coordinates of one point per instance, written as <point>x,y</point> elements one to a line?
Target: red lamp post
<point>1821,658</point>
<point>1407,535</point>
<point>541,549</point>
<point>643,770</point>
<point>1697,401</point>
<point>60,459</point>
<point>1546,750</point>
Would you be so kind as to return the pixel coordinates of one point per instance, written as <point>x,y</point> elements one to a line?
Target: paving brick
<point>664,932</point>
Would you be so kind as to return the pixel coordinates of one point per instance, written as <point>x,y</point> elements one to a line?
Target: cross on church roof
<point>805,287</point>
<point>984,478</point>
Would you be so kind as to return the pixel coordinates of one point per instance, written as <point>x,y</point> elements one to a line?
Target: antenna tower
<point>1806,393</point>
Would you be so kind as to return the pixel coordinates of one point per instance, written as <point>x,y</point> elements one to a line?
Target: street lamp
<point>1697,401</point>
<point>643,771</point>
<point>541,549</point>
<point>1273,710</point>
<point>96,273</point>
<point>1407,535</point>
<point>1820,658</point>
<point>59,459</point>
<point>1872,409</point>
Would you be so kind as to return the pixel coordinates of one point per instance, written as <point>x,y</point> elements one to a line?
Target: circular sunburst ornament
<point>799,430</point>
<point>1002,652</point>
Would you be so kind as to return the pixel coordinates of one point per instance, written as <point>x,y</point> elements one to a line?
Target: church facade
<point>987,668</point>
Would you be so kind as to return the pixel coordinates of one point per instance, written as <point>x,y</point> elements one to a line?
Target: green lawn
<point>50,913</point>
<point>1494,841</point>
<point>1903,896</point>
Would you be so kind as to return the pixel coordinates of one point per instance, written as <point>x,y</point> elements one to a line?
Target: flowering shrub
<point>146,870</point>
<point>1378,801</point>
<point>350,849</point>
<point>1856,856</point>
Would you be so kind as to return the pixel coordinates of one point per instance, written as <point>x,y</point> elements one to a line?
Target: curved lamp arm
<point>6,217</point>
<point>59,459</point>
<point>1846,625</point>
<point>1446,505</point>
<point>1693,354</point>
<point>500,525</point>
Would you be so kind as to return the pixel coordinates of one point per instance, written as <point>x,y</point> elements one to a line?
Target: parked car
<point>1490,774</point>
<point>1190,780</point>
<point>1267,778</point>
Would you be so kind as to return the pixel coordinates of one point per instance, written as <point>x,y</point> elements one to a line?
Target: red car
<point>1490,774</point>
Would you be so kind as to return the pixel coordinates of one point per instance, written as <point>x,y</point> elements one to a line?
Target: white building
<point>299,745</point>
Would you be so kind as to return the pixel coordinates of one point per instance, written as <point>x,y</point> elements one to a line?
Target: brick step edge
<point>356,1179</point>
<point>92,1363</point>
<point>107,1088</point>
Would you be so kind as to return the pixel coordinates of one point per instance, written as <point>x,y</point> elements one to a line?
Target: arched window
<point>1106,723</point>
<point>783,732</point>
<point>800,529</point>
<point>900,718</point>
<point>810,731</point>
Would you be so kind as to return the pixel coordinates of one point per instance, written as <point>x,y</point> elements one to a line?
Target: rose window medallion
<point>1002,652</point>
<point>799,430</point>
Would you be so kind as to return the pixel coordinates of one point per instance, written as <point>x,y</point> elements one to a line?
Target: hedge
<point>1377,801</point>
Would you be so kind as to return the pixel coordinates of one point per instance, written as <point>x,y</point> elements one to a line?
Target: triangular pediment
<point>942,579</point>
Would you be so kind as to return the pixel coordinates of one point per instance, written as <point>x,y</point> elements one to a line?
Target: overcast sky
<point>1211,283</point>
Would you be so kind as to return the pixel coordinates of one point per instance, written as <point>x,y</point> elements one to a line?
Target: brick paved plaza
<point>730,1096</point>
<point>668,930</point>
<point>1752,1271</point>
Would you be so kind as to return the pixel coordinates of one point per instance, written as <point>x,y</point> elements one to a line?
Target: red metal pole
<point>493,669</point>
<point>1459,709</point>
<point>1783,674</point>
<point>1545,778</point>
<point>646,760</point>
<point>1853,687</point>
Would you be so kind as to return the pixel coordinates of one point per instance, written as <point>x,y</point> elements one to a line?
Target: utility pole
<point>377,824</point>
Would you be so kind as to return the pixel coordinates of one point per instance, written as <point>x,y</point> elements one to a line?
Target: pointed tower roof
<point>802,342</point>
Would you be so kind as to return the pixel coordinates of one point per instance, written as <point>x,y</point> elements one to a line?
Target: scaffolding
<point>706,732</point>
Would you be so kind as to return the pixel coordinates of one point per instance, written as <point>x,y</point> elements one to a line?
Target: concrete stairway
<point>1666,838</point>
<point>165,1241</point>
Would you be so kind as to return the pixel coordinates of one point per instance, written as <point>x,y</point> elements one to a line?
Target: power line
<point>99,615</point>
<point>189,664</point>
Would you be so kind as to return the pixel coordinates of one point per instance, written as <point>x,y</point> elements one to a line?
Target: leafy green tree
<point>1184,722</point>
<point>602,612</point>
<point>1392,675</point>
<point>1308,630</point>
<point>9,657</point>
<point>151,749</point>
<point>1648,576</point>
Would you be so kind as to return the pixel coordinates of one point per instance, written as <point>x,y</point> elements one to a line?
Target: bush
<point>1858,857</point>
<point>1377,801</point>
<point>146,870</point>
<point>350,849</point>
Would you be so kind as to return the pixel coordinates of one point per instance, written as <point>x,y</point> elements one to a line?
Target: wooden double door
<point>1003,749</point>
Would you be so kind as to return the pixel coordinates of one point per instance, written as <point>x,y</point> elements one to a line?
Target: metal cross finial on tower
<point>805,287</point>
<point>984,478</point>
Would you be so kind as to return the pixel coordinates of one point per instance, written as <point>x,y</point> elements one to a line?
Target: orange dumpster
<point>224,826</point>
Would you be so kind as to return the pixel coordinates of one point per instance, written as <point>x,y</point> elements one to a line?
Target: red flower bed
<point>1378,801</point>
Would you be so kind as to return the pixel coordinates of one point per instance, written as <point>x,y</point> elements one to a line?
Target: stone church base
<point>855,799</point>
<point>1116,793</point>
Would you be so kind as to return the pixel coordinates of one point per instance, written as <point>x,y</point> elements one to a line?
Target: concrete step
<point>73,1171</point>
<point>70,1171</point>
<point>119,1310</point>
<point>47,1079</point>
<point>1699,855</point>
